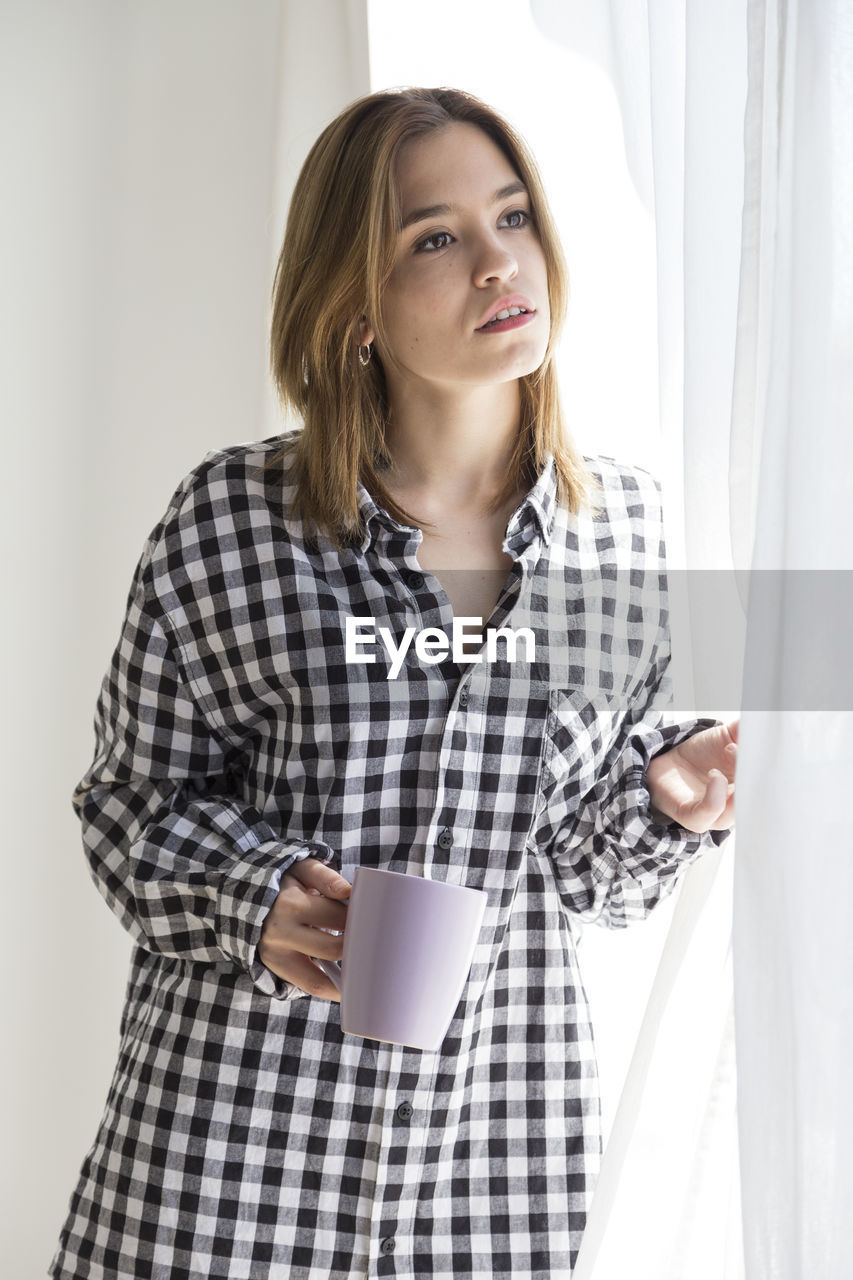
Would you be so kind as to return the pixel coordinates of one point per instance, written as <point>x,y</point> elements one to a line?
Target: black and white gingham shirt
<point>244,1135</point>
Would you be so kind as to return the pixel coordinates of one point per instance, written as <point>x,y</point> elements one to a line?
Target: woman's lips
<point>511,322</point>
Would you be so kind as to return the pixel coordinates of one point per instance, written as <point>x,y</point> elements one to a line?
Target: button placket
<point>395,1219</point>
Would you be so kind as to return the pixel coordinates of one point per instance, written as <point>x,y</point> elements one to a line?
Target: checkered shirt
<point>245,1136</point>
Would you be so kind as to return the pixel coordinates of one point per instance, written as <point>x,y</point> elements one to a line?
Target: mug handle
<point>331,970</point>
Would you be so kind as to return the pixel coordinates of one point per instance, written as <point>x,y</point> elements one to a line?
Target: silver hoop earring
<point>364,361</point>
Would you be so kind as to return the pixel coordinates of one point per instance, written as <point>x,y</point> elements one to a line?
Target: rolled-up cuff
<point>246,898</point>
<point>647,845</point>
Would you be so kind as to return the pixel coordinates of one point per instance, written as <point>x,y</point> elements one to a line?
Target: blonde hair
<point>337,256</point>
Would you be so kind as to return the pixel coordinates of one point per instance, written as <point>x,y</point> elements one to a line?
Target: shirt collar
<point>535,514</point>
<point>533,517</point>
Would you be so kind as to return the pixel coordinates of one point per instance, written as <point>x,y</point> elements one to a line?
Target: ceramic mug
<point>408,947</point>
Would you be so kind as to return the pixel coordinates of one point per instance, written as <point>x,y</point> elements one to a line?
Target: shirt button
<point>415,581</point>
<point>445,839</point>
<point>463,697</point>
<point>388,1245</point>
<point>405,1111</point>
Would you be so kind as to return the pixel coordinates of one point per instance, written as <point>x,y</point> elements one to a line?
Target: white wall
<point>147,150</point>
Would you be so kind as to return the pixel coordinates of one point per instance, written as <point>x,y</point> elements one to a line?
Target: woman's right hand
<point>309,901</point>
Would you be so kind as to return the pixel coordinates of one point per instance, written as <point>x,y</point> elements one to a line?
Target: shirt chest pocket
<point>581,728</point>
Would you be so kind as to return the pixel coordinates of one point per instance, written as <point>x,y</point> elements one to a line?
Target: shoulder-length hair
<point>337,256</point>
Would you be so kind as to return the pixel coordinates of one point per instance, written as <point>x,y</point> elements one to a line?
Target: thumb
<point>716,794</point>
<point>699,815</point>
<point>316,875</point>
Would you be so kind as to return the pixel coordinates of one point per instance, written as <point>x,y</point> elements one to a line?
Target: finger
<point>299,970</point>
<point>293,910</point>
<point>734,728</point>
<point>316,875</point>
<point>705,811</point>
<point>318,911</point>
<point>316,942</point>
<point>717,793</point>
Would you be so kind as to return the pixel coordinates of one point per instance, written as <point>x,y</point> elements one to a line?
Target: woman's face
<point>467,251</point>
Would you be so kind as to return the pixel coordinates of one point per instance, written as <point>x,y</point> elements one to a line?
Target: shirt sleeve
<point>615,862</point>
<point>188,867</point>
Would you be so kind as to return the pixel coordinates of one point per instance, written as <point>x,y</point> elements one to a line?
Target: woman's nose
<point>494,261</point>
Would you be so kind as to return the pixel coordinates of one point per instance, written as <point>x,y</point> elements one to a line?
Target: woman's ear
<point>366,335</point>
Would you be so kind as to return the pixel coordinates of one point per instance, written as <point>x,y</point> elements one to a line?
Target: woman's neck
<point>455,448</point>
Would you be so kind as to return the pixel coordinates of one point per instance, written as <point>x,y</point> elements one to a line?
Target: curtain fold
<point>792,485</point>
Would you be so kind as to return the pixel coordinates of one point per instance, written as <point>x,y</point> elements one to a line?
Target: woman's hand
<point>309,902</point>
<point>693,783</point>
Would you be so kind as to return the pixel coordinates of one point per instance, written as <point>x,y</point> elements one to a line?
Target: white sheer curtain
<point>792,482</point>
<point>767,362</point>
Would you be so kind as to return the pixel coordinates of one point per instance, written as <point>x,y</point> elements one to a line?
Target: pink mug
<point>408,947</point>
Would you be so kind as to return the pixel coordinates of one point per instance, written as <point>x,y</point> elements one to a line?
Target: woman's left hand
<point>693,784</point>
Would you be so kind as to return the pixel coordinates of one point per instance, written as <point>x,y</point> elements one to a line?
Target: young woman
<point>246,764</point>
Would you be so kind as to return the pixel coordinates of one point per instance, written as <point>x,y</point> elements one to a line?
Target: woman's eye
<point>440,240</point>
<point>517,218</point>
